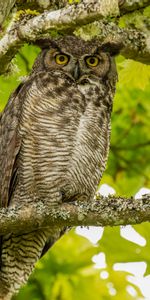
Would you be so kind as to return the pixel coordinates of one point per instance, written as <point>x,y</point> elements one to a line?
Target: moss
<point>25,13</point>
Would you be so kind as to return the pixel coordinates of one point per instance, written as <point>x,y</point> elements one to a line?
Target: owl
<point>54,142</point>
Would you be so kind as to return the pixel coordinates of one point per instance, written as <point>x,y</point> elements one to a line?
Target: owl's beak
<point>76,71</point>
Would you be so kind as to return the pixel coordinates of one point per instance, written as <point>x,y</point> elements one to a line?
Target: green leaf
<point>134,72</point>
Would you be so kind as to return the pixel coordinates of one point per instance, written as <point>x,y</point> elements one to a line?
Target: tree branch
<point>5,8</point>
<point>42,5</point>
<point>103,211</point>
<point>124,5</point>
<point>132,5</point>
<point>71,16</point>
<point>135,44</point>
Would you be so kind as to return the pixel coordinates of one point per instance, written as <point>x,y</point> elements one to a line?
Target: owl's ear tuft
<point>43,43</point>
<point>113,48</point>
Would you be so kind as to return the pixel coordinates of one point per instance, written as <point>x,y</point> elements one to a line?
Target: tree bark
<point>135,44</point>
<point>5,8</point>
<point>103,211</point>
<point>132,5</point>
<point>124,5</point>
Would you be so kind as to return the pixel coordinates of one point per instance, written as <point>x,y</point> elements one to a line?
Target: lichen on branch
<point>102,211</point>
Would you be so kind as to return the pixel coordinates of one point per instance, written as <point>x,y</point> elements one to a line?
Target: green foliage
<point>73,1</point>
<point>67,271</point>
<point>72,275</point>
<point>24,61</point>
<point>128,165</point>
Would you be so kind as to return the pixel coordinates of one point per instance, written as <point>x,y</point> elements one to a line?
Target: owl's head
<point>78,59</point>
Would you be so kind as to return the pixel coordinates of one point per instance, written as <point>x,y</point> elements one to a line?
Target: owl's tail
<point>4,293</point>
<point>19,255</point>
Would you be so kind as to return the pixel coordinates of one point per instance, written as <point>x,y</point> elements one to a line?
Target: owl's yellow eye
<point>61,59</point>
<point>92,61</point>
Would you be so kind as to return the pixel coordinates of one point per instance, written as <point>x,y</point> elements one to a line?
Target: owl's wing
<point>9,145</point>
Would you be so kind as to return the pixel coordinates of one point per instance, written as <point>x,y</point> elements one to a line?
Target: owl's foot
<point>67,196</point>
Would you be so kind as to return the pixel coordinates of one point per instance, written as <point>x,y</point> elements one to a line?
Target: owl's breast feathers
<point>65,137</point>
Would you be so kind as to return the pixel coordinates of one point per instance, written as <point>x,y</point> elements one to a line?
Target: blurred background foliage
<point>67,271</point>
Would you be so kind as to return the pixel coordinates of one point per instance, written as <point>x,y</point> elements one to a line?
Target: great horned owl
<point>54,142</point>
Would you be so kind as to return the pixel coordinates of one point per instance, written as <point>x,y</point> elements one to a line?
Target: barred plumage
<point>55,133</point>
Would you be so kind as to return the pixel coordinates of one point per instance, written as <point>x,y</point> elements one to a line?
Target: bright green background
<point>66,272</point>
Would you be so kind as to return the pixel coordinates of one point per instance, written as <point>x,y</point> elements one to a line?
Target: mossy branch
<point>40,5</point>
<point>5,8</point>
<point>132,5</point>
<point>102,211</point>
<point>124,5</point>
